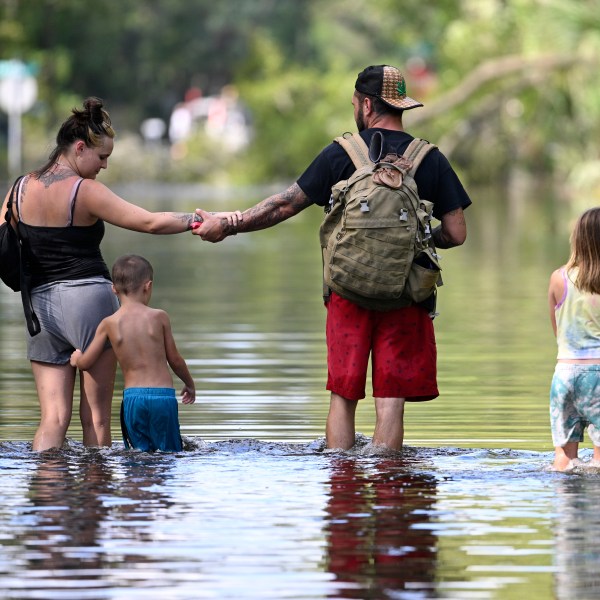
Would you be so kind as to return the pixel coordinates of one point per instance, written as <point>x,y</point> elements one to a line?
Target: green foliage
<point>508,83</point>
<point>296,110</point>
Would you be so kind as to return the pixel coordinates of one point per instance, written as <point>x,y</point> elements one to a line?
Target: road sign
<point>18,93</point>
<point>18,88</point>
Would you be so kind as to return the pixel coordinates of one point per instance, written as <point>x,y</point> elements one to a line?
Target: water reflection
<point>377,546</point>
<point>256,520</point>
<point>80,506</point>
<point>577,537</point>
<point>61,542</point>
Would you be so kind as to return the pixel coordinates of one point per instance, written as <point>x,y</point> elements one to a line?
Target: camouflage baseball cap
<point>386,83</point>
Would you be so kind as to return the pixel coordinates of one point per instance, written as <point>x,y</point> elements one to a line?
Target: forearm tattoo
<point>186,218</point>
<point>275,209</point>
<point>440,238</point>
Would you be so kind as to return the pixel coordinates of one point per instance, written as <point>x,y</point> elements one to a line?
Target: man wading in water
<point>401,341</point>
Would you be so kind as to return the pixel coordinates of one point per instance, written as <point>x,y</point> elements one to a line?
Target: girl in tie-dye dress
<point>574,298</point>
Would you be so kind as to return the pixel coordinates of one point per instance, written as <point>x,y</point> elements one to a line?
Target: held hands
<point>188,394</point>
<point>75,357</point>
<point>217,226</point>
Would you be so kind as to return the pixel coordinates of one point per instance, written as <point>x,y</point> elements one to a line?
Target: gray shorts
<point>69,313</point>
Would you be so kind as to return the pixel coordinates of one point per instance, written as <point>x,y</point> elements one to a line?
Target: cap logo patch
<point>388,84</point>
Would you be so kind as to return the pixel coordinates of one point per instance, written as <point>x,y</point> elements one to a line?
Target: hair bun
<point>93,109</point>
<point>95,114</point>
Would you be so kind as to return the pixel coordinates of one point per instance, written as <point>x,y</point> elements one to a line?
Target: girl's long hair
<point>585,251</point>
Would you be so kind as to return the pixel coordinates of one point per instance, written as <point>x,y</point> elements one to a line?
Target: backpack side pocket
<point>424,276</point>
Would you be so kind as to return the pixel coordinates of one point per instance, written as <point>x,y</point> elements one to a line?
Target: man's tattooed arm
<point>273,210</point>
<point>217,226</point>
<point>453,230</point>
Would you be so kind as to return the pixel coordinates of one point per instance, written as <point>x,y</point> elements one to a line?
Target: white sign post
<point>18,93</point>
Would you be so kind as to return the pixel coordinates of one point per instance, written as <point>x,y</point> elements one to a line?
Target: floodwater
<point>255,507</point>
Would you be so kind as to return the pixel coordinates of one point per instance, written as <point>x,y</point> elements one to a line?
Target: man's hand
<point>217,226</point>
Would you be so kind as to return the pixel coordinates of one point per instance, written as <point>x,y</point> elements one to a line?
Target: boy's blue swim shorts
<point>150,420</point>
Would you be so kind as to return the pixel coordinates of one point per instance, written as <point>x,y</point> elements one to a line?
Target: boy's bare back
<point>140,336</point>
<point>142,340</point>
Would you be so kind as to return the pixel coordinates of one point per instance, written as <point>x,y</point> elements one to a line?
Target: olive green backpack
<point>376,235</point>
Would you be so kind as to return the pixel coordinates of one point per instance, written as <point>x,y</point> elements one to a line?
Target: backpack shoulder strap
<point>356,149</point>
<point>417,150</point>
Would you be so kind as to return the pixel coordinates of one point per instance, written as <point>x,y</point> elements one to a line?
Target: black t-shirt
<point>435,178</point>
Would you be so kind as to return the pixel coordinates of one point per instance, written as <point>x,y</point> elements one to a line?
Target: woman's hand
<point>217,226</point>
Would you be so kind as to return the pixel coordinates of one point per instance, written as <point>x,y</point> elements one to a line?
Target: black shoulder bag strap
<point>9,204</point>
<point>33,324</point>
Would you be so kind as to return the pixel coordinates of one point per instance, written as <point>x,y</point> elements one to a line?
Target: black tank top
<point>62,253</point>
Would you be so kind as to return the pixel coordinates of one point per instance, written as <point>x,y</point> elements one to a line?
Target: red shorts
<point>401,343</point>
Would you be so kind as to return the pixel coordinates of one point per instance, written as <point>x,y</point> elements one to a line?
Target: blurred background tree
<point>509,86</point>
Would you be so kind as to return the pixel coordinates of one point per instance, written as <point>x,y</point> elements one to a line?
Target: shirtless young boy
<point>143,343</point>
